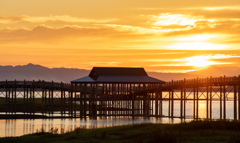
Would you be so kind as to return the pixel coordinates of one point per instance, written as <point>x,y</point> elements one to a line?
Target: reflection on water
<point>18,127</point>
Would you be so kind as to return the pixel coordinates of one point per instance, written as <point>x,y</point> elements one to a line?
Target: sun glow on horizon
<point>199,61</point>
<point>206,60</point>
<point>199,37</point>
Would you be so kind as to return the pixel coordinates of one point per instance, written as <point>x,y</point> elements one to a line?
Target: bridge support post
<point>45,100</point>
<point>181,104</point>
<point>160,103</point>
<point>15,97</point>
<point>146,105</point>
<point>114,99</point>
<point>81,105</point>
<point>220,98</point>
<point>172,108</point>
<point>207,101</point>
<point>210,104</point>
<point>30,100</point>
<point>194,102</point>
<point>6,97</point>
<point>133,97</point>
<point>27,102</point>
<point>85,100</point>
<point>171,99</point>
<point>52,106</point>
<point>169,103</point>
<point>49,102</point>
<point>235,100</point>
<point>90,100</point>
<point>156,102</point>
<point>42,101</point>
<point>239,97</point>
<point>61,100</point>
<point>184,91</point>
<point>69,103</point>
<point>92,103</point>
<point>197,86</point>
<point>75,101</point>
<point>224,98</point>
<point>33,102</point>
<point>12,106</point>
<point>24,97</point>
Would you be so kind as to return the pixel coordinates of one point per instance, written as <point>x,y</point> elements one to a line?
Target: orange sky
<point>162,36</point>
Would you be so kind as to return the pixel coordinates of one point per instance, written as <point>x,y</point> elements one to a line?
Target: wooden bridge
<point>40,99</point>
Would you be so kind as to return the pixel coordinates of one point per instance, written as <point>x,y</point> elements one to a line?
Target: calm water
<point>18,127</point>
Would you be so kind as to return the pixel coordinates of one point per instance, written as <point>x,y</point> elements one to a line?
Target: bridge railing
<point>40,83</point>
<point>223,80</point>
<point>204,81</point>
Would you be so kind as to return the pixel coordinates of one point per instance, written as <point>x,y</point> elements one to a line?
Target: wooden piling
<point>172,104</point>
<point>210,104</point>
<point>169,103</point>
<point>207,103</point>
<point>239,97</point>
<point>160,102</point>
<point>181,104</point>
<point>6,97</point>
<point>15,97</point>
<point>184,106</point>
<point>75,101</point>
<point>194,102</point>
<point>220,98</point>
<point>235,99</point>
<point>156,102</point>
<point>33,99</point>
<point>184,94</point>
<point>197,99</point>
<point>224,98</point>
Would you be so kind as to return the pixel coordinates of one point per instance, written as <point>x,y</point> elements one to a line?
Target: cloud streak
<point>43,33</point>
<point>52,18</point>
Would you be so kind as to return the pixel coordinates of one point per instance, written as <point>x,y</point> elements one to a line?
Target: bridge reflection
<point>19,127</point>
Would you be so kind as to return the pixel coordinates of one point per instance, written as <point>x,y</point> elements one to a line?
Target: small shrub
<point>53,130</point>
<point>40,131</point>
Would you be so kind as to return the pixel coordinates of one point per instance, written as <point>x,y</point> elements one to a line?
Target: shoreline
<point>195,131</point>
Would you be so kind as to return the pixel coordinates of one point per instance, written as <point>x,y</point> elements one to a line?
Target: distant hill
<point>214,71</point>
<point>36,72</point>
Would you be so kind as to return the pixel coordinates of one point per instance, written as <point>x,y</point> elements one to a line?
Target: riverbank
<point>195,131</point>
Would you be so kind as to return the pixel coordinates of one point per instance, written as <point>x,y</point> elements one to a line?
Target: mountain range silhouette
<point>36,72</point>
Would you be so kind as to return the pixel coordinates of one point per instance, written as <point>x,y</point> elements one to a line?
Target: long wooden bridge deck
<point>61,100</point>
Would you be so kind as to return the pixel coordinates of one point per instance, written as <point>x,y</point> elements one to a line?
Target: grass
<point>193,132</point>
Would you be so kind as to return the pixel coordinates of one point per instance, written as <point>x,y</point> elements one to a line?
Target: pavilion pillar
<point>156,102</point>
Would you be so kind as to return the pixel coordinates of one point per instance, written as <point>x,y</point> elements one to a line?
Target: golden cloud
<point>43,33</point>
<point>52,18</point>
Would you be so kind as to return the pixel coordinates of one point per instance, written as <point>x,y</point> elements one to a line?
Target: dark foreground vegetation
<point>193,132</point>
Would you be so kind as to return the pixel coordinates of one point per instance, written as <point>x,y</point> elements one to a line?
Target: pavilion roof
<point>117,75</point>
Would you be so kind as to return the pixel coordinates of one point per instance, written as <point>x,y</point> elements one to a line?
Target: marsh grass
<point>194,132</point>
